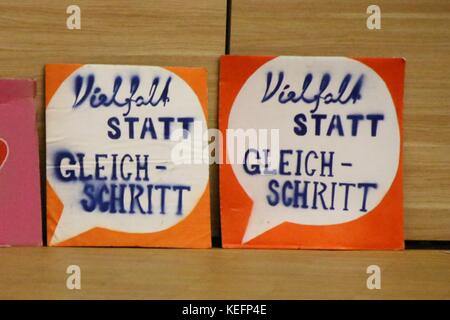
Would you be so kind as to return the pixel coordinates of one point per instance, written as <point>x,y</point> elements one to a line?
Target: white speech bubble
<point>357,159</point>
<point>84,129</point>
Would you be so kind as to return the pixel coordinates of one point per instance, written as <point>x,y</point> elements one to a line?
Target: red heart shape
<point>4,150</point>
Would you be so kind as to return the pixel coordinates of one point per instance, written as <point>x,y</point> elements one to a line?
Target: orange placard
<point>114,173</point>
<point>313,151</point>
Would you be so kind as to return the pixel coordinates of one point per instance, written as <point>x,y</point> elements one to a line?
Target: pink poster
<point>20,204</point>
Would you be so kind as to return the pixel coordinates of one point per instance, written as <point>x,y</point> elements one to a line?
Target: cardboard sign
<point>313,151</point>
<point>113,176</point>
<point>20,202</point>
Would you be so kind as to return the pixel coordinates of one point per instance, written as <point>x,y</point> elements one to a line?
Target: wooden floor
<point>40,273</point>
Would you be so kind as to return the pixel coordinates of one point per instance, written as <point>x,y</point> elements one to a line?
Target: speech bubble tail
<point>69,226</point>
<point>259,223</point>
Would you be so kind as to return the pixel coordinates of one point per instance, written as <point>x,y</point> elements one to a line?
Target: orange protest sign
<point>313,150</point>
<point>113,178</point>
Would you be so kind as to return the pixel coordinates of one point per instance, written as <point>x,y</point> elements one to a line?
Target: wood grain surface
<point>33,33</point>
<point>40,273</point>
<point>153,32</point>
<point>416,30</point>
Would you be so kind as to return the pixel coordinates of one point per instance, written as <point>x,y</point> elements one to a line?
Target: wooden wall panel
<point>173,32</point>
<point>417,30</point>
<point>151,32</point>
